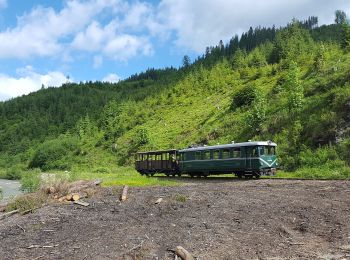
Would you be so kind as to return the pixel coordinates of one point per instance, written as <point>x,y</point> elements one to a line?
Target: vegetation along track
<point>213,219</point>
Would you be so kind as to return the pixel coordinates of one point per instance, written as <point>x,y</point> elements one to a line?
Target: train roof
<point>158,152</point>
<point>268,143</point>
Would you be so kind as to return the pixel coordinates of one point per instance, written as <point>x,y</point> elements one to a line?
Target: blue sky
<point>43,42</point>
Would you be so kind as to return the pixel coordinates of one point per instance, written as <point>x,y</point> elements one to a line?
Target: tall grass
<point>121,176</point>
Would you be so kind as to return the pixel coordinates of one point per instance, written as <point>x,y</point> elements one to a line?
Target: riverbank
<point>10,189</point>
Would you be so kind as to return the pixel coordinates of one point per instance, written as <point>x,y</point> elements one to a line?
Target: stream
<point>9,188</point>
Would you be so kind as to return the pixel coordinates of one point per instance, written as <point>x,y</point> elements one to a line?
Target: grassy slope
<point>196,108</point>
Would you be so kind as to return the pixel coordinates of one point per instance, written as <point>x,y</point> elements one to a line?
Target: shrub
<point>345,150</point>
<point>325,156</point>
<point>244,97</point>
<point>13,173</point>
<point>142,136</point>
<point>50,154</point>
<point>27,202</point>
<point>30,181</point>
<point>180,198</point>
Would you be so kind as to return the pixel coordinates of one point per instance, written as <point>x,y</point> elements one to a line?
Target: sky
<point>49,42</point>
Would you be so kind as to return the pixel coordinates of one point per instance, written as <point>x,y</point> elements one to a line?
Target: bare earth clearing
<point>211,218</point>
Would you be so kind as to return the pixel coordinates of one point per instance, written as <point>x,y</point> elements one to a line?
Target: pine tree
<point>340,17</point>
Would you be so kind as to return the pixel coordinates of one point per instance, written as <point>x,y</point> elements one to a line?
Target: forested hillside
<point>290,85</point>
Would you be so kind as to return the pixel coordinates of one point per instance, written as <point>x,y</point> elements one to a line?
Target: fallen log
<point>183,253</point>
<point>81,203</point>
<point>5,215</point>
<point>123,197</point>
<point>69,197</point>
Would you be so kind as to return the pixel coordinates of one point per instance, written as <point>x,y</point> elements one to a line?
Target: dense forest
<point>289,84</point>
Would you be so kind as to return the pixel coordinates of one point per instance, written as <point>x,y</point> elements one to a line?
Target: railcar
<point>248,159</point>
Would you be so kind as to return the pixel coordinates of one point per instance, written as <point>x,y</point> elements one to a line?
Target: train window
<point>216,154</point>
<point>225,153</point>
<point>198,155</point>
<point>206,155</point>
<point>263,150</point>
<point>271,150</point>
<point>236,152</point>
<point>255,152</point>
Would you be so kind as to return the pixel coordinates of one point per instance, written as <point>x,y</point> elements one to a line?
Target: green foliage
<point>54,154</point>
<point>239,60</point>
<point>320,59</point>
<point>340,17</point>
<point>31,180</point>
<point>13,173</point>
<point>142,136</point>
<point>245,96</point>
<point>181,198</point>
<point>27,202</point>
<point>345,150</point>
<point>292,42</point>
<point>257,114</point>
<point>295,90</point>
<point>345,41</point>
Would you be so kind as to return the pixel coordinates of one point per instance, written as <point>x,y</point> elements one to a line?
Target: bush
<point>27,202</point>
<point>30,181</point>
<point>244,97</point>
<point>325,156</point>
<point>50,155</point>
<point>13,173</point>
<point>323,173</point>
<point>345,150</point>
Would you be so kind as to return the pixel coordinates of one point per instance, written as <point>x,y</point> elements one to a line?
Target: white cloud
<point>122,47</point>
<point>28,81</point>
<point>112,78</point>
<point>110,27</point>
<point>43,31</point>
<point>201,23</point>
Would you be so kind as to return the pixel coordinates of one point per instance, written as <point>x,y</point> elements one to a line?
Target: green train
<point>248,159</point>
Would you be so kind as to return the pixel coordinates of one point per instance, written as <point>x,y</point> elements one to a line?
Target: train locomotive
<point>247,159</point>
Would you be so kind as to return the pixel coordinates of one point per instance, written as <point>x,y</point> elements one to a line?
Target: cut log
<point>64,198</point>
<point>81,203</point>
<point>51,190</point>
<point>183,253</point>
<point>69,197</point>
<point>75,197</point>
<point>124,195</point>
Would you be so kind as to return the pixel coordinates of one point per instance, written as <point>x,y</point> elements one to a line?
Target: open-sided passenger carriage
<point>165,161</point>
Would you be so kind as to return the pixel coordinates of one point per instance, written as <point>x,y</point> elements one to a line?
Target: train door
<point>249,150</point>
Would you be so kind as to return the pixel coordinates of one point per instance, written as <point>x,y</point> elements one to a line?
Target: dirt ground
<point>211,218</point>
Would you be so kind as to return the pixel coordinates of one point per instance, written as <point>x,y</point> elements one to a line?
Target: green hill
<point>290,85</point>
